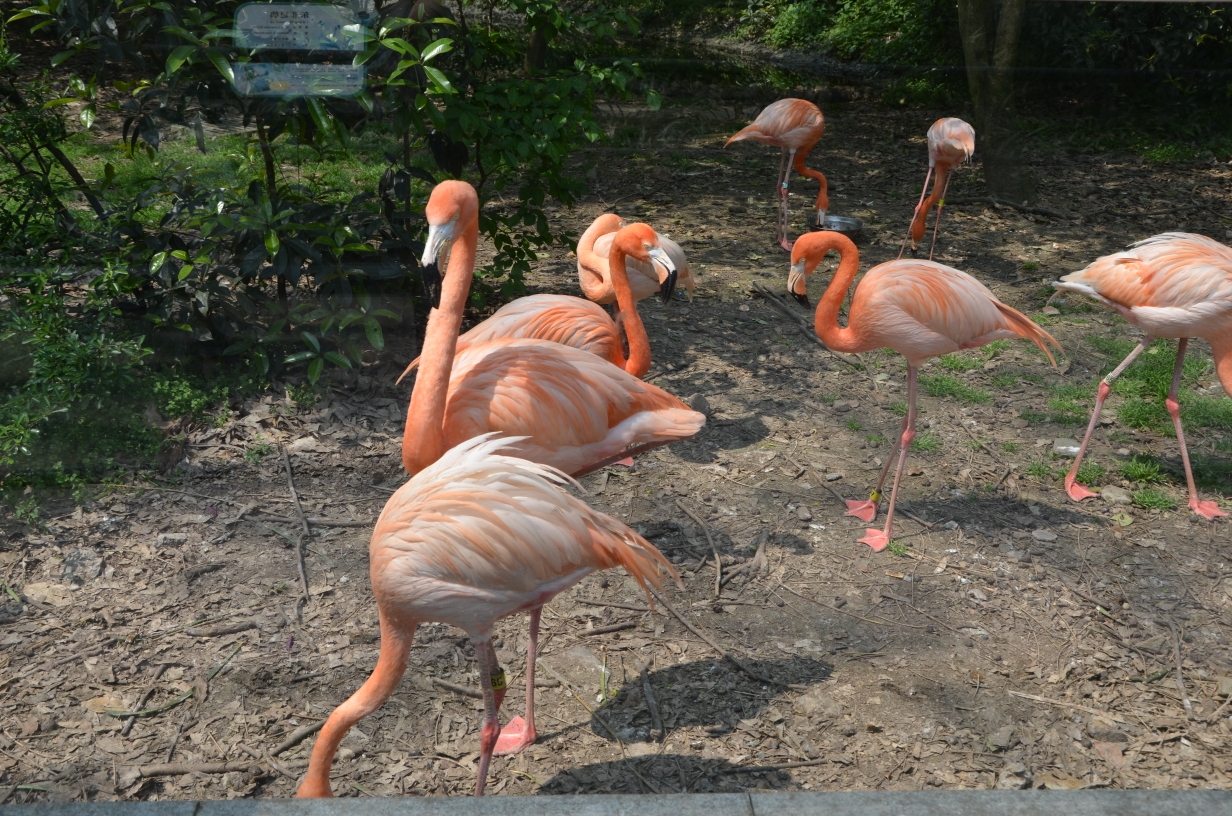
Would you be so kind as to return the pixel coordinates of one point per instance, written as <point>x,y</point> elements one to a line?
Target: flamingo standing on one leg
<point>795,125</point>
<point>572,321</point>
<point>1170,285</point>
<point>950,143</point>
<point>594,276</point>
<point>474,538</point>
<point>920,309</point>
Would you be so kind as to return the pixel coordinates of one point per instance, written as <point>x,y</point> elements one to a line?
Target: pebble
<point>842,406</point>
<point>172,538</point>
<point>1043,535</point>
<point>1116,495</point>
<point>699,403</point>
<point>1065,447</point>
<point>833,477</point>
<point>803,513</point>
<point>1122,451</point>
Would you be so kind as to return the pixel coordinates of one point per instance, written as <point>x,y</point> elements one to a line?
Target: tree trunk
<point>536,51</point>
<point>989,30</point>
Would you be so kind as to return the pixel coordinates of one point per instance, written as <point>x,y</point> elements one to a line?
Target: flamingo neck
<point>823,198</point>
<point>918,221</point>
<point>825,321</point>
<point>638,362</point>
<point>423,441</point>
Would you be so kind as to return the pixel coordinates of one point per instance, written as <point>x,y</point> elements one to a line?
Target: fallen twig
<point>145,698</point>
<point>465,691</point>
<point>1064,704</point>
<point>296,737</point>
<point>303,539</point>
<point>175,741</point>
<point>219,631</point>
<point>181,768</point>
<point>148,712</point>
<point>197,572</point>
<point>1180,677</point>
<point>312,520</point>
<point>783,767</point>
<point>252,752</point>
<point>603,630</point>
<point>614,605</point>
<point>651,703</point>
<point>718,565</point>
<point>91,652</point>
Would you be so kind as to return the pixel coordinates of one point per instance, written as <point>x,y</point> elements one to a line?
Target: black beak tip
<point>802,299</point>
<point>668,287</point>
<point>431,274</point>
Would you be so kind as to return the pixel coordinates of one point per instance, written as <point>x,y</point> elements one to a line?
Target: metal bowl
<point>843,224</point>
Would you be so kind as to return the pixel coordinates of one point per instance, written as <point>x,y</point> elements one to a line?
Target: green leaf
<point>653,100</point>
<point>314,370</point>
<point>439,81</point>
<point>179,56</point>
<point>337,359</point>
<point>224,67</point>
<point>87,116</point>
<point>61,57</point>
<point>262,360</point>
<point>311,340</point>
<point>156,263</point>
<point>299,357</point>
<point>271,242</point>
<point>375,336</point>
<point>386,313</point>
<point>441,46</point>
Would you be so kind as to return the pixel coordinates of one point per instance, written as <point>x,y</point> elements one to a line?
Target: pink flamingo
<point>950,143</point>
<point>593,259</point>
<point>920,309</point>
<point>795,125</point>
<point>575,411</point>
<point>470,540</point>
<point>1170,285</point>
<point>578,323</point>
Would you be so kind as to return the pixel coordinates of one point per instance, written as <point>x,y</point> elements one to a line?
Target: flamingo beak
<point>797,284</point>
<point>439,237</point>
<point>668,285</point>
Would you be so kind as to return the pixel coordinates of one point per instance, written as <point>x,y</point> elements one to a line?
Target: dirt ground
<point>1016,640</point>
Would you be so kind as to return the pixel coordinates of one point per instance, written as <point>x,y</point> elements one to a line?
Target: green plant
<point>1152,498</point>
<point>258,450</point>
<point>1010,447</point>
<point>27,511</point>
<point>854,425</point>
<point>897,548</point>
<point>1090,473</point>
<point>947,385</point>
<point>1039,470</point>
<point>1069,404</point>
<point>959,362</point>
<point>899,408</point>
<point>876,438</point>
<point>1030,266</point>
<point>1004,379</point>
<point>994,348</point>
<point>926,442</point>
<point>1144,469</point>
<point>304,395</point>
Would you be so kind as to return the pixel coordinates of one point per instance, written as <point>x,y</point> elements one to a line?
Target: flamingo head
<point>797,280</point>
<point>640,242</point>
<point>451,202</point>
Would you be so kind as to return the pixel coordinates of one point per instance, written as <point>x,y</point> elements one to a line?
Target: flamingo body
<point>1175,285</point>
<point>473,538</point>
<point>921,309</point>
<point>951,142</point>
<point>594,275</point>
<point>795,125</point>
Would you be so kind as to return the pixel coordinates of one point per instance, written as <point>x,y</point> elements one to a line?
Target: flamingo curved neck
<point>638,362</point>
<point>825,321</point>
<point>423,441</point>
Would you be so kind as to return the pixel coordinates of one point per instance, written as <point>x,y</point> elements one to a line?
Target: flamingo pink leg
<point>784,213</point>
<point>920,203</point>
<point>1206,509</point>
<point>880,539</point>
<point>1076,491</point>
<point>937,221</point>
<point>519,733</point>
<point>491,722</point>
<point>867,510</point>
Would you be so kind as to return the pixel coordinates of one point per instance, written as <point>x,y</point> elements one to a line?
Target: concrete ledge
<point>891,803</point>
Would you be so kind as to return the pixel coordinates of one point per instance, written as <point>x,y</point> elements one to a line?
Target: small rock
<point>978,595</point>
<point>1116,495</point>
<point>172,538</point>
<point>1043,535</point>
<point>1065,447</point>
<point>737,209</point>
<point>1002,739</point>
<point>699,403</point>
<point>1224,687</point>
<point>1122,451</point>
<point>816,702</point>
<point>990,365</point>
<point>843,406</point>
<point>1019,423</point>
<point>1101,734</point>
<point>803,513</point>
<point>833,477</point>
<point>1051,310</point>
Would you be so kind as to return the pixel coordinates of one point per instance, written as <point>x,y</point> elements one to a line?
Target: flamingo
<point>921,309</point>
<point>951,142</point>
<point>578,323</point>
<point>575,411</point>
<point>593,252</point>
<point>1171,285</point>
<point>795,125</point>
<point>472,539</point>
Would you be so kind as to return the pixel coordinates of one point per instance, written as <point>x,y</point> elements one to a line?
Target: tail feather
<point>622,546</point>
<point>749,132</point>
<point>414,364</point>
<point>1025,327</point>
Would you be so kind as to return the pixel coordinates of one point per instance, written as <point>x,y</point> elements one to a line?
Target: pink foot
<point>1206,509</point>
<point>863,510</point>
<point>786,244</point>
<point>1078,492</point>
<point>877,539</point>
<point>626,462</point>
<point>514,737</point>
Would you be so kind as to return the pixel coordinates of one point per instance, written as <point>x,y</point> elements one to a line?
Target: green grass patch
<point>899,408</point>
<point>995,347</point>
<point>1010,447</point>
<point>926,442</point>
<point>959,361</point>
<point>1152,498</point>
<point>1032,416</point>
<point>1039,470</point>
<point>1070,404</point>
<point>1004,379</point>
<point>854,425</point>
<point>947,385</point>
<point>1144,387</point>
<point>1144,469</point>
<point>1091,473</point>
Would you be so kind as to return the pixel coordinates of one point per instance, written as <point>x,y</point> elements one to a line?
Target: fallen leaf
<point>1111,753</point>
<point>107,701</point>
<point>1059,781</point>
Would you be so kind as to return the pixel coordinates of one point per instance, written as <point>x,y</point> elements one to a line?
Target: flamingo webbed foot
<point>786,244</point>
<point>514,738</point>
<point>1078,492</point>
<point>877,539</point>
<point>1206,509</point>
<point>626,462</point>
<point>865,510</point>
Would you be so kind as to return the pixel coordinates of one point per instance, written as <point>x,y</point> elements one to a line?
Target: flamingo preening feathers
<point>473,538</point>
<point>1170,285</point>
<point>578,323</point>
<point>920,309</point>
<point>645,279</point>
<point>795,125</point>
<point>572,410</point>
<point>950,143</point>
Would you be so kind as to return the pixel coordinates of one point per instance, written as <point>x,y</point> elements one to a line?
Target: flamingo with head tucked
<point>921,310</point>
<point>473,538</point>
<point>795,125</point>
<point>950,143</point>
<point>1171,285</point>
<point>594,260</point>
